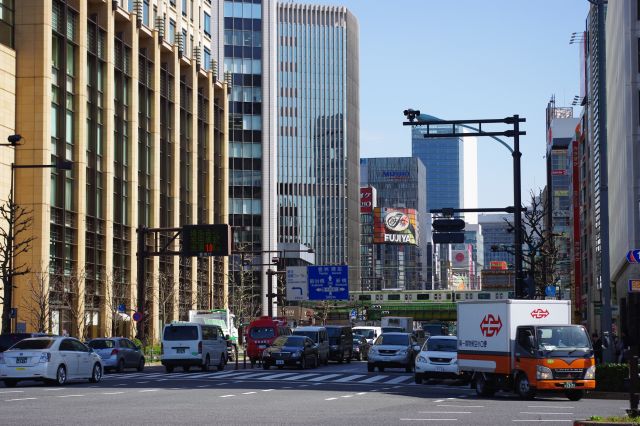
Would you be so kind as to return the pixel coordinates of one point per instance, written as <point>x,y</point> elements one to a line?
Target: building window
<point>145,12</point>
<point>172,31</point>
<point>6,22</point>
<point>207,24</point>
<point>207,59</point>
<point>184,7</point>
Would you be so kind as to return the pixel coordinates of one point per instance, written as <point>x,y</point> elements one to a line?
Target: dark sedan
<point>296,351</point>
<point>360,347</point>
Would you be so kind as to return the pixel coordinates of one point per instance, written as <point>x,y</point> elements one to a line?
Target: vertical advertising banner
<point>367,199</point>
<point>395,226</point>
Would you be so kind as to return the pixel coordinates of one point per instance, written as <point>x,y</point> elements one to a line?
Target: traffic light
<point>448,231</point>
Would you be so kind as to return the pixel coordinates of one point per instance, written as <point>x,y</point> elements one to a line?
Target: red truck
<point>261,333</point>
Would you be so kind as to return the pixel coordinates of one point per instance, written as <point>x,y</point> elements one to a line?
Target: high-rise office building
<point>119,89</point>
<point>452,169</point>
<point>400,183</point>
<point>623,91</point>
<point>248,54</point>
<point>318,133</point>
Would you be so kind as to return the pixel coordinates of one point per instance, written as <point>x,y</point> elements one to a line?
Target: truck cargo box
<point>487,329</point>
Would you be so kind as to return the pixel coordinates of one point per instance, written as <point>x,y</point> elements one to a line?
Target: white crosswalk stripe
<point>316,378</point>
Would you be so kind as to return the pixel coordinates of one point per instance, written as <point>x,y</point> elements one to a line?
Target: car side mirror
<point>90,349</point>
<point>416,348</point>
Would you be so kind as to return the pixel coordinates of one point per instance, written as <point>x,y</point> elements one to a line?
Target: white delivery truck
<point>397,324</point>
<point>525,346</point>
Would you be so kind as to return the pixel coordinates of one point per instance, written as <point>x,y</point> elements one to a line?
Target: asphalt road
<point>336,394</point>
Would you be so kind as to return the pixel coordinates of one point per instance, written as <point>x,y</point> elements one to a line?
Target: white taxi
<point>53,359</point>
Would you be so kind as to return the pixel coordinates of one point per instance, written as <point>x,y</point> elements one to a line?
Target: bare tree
<point>540,249</point>
<point>74,301</point>
<point>15,239</point>
<point>37,302</point>
<point>322,310</point>
<point>115,294</point>
<point>164,298</point>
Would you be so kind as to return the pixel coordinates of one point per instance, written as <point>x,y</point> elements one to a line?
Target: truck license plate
<point>569,385</point>
<point>439,369</point>
<point>180,350</point>
<point>279,362</point>
<point>21,360</point>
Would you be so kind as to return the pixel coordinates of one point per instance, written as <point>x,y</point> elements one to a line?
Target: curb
<point>596,423</point>
<point>606,395</point>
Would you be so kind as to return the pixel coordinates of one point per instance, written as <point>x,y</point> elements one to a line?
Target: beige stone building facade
<point>125,90</point>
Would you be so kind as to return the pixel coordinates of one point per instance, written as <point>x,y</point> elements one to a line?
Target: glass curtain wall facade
<point>400,182</point>
<point>119,103</point>
<point>318,134</point>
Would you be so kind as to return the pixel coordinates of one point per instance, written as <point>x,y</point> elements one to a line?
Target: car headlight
<point>453,360</point>
<point>296,354</point>
<point>402,352</point>
<point>590,374</point>
<point>543,373</point>
<point>422,359</point>
<point>45,357</point>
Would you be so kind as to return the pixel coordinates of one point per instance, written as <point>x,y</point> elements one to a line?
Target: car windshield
<point>31,344</point>
<point>102,344</point>
<point>262,332</point>
<point>181,333</point>
<point>392,339</point>
<point>310,334</point>
<point>368,334</point>
<point>440,345</point>
<point>562,337</point>
<point>295,341</point>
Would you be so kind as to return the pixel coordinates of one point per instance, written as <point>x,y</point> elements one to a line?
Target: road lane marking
<point>349,378</point>
<point>399,379</point>
<point>459,406</point>
<point>202,386</point>
<point>548,406</point>
<point>303,386</point>
<point>120,384</point>
<point>69,396</point>
<point>444,412</point>
<point>300,376</point>
<point>53,389</point>
<point>373,379</point>
<point>330,399</point>
<point>146,381</point>
<point>323,378</point>
<point>19,399</point>
<point>223,383</point>
<point>267,390</point>
<point>112,393</point>
<point>346,396</point>
<point>439,400</point>
<point>276,376</point>
<point>538,412</point>
<point>249,393</point>
<point>361,393</point>
<point>149,390</point>
<point>226,396</point>
<point>12,392</point>
<point>251,376</point>
<point>428,420</point>
<point>543,420</point>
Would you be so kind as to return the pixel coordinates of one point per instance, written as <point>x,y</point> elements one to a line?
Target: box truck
<point>526,346</point>
<point>398,324</point>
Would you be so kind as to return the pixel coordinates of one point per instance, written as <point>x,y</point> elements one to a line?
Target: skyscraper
<point>318,133</point>
<point>399,182</point>
<point>118,89</point>
<point>248,55</point>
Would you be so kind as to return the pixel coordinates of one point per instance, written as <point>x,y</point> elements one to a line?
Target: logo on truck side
<point>490,325</point>
<point>539,313</point>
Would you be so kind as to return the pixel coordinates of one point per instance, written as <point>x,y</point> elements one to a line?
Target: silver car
<point>118,353</point>
<point>393,350</point>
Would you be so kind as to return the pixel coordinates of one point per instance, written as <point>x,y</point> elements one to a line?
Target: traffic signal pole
<point>460,129</point>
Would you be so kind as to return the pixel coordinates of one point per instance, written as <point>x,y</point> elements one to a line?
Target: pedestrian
<point>597,347</point>
<point>620,348</point>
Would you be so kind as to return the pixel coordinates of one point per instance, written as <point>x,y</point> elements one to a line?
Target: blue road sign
<point>122,307</point>
<point>354,314</point>
<point>550,290</point>
<point>633,256</point>
<point>328,282</point>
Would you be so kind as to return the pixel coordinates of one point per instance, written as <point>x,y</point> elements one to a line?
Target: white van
<point>188,344</point>
<point>369,332</point>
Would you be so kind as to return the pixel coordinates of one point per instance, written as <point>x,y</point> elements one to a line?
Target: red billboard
<point>367,199</point>
<point>395,226</point>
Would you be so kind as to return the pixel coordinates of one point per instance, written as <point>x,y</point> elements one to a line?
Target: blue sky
<point>467,59</point>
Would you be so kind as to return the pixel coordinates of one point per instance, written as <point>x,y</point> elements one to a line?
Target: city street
<point>335,394</point>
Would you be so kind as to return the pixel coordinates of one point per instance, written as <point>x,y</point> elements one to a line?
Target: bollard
<point>235,348</point>
<point>633,387</point>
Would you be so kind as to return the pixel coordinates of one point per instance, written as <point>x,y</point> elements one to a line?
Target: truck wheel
<point>523,387</point>
<point>574,395</point>
<point>483,388</point>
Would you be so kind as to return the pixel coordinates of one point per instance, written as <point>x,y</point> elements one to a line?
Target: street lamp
<point>59,165</point>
